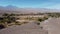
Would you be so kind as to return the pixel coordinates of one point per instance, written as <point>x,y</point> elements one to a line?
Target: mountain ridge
<point>14,9</point>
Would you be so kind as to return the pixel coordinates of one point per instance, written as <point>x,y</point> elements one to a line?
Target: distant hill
<point>14,9</point>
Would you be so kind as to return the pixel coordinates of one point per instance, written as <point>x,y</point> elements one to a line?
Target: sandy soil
<point>52,25</point>
<point>29,28</point>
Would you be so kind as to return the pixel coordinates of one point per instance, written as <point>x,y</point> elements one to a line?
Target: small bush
<point>38,23</point>
<point>40,19</point>
<point>1,26</point>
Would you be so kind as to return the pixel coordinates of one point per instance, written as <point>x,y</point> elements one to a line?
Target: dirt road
<point>52,25</point>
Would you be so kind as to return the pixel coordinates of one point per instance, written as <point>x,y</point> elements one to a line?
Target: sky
<point>52,4</point>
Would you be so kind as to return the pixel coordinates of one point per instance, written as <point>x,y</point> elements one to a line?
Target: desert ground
<point>48,26</point>
<point>29,28</point>
<point>52,25</point>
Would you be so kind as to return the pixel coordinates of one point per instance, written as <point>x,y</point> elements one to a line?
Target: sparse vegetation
<point>6,18</point>
<point>42,19</point>
<point>53,15</point>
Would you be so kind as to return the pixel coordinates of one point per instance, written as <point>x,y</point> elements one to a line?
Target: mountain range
<point>14,9</point>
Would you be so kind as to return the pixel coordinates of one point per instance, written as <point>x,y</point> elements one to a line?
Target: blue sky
<point>53,4</point>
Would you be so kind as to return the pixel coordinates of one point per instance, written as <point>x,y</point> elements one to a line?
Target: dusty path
<point>52,25</point>
<point>29,28</point>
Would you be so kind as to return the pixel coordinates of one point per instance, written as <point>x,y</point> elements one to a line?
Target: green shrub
<point>40,19</point>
